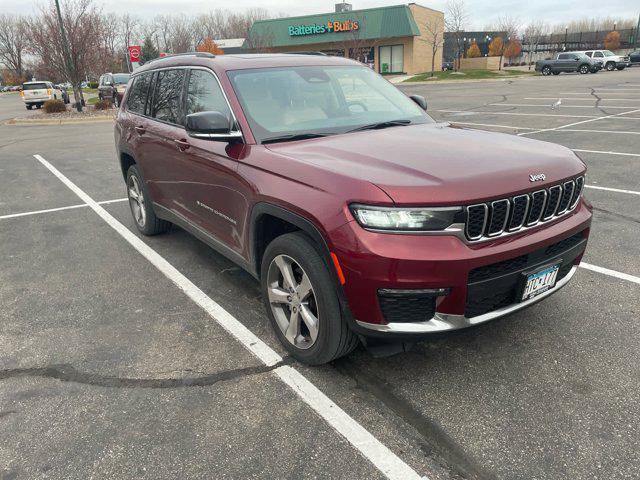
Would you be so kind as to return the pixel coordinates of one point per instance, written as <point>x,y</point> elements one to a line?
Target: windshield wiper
<point>294,136</point>
<point>376,126</point>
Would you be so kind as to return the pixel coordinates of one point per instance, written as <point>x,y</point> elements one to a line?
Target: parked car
<point>35,94</point>
<point>634,58</point>
<point>112,86</point>
<point>610,60</point>
<point>568,62</point>
<point>361,216</point>
<point>447,66</point>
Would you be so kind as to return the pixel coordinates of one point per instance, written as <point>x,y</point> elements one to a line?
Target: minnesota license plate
<point>540,281</point>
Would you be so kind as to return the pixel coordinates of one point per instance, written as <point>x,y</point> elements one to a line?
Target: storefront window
<point>392,59</point>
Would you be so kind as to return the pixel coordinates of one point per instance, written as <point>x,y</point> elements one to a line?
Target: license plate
<point>540,281</point>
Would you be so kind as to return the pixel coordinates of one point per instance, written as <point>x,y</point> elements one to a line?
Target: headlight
<point>405,219</point>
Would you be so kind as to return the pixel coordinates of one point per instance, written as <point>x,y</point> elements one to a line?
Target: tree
<point>149,51</point>
<point>209,46</point>
<point>83,29</point>
<point>13,41</point>
<point>534,34</point>
<point>434,37</point>
<point>496,49</point>
<point>612,41</point>
<point>474,51</point>
<point>456,17</point>
<point>513,50</point>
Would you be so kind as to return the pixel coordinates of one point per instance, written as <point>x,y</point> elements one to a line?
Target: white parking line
<point>562,106</point>
<point>578,123</point>
<point>591,99</point>
<point>607,153</point>
<point>369,446</point>
<point>575,130</point>
<point>608,189</point>
<point>49,210</point>
<point>589,93</point>
<point>622,132</point>
<point>518,114</point>
<point>511,127</point>
<point>611,273</point>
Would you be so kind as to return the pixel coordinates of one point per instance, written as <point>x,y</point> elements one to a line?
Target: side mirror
<point>211,125</point>
<point>420,100</point>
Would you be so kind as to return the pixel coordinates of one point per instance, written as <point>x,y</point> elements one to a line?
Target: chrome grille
<point>509,215</point>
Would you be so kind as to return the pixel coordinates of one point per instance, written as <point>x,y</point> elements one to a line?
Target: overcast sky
<point>483,12</point>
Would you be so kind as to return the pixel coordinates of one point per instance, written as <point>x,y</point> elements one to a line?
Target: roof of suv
<point>243,61</point>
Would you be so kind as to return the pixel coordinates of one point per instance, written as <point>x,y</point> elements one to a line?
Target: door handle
<point>140,130</point>
<point>181,144</point>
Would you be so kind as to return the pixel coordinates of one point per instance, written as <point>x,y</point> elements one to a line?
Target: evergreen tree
<point>149,51</point>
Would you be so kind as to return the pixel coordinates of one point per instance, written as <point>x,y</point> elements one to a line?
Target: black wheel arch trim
<point>307,226</point>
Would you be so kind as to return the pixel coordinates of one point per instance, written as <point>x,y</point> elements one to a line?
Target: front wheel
<point>546,71</point>
<point>620,68</point>
<point>584,69</point>
<point>611,66</point>
<point>302,302</point>
<point>556,73</point>
<point>29,107</point>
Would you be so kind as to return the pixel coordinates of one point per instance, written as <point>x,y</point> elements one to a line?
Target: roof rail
<point>193,54</point>
<point>306,53</point>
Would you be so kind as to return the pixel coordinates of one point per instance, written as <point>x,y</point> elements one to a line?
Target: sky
<point>482,12</point>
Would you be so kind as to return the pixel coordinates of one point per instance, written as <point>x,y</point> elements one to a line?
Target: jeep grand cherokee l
<point>361,217</point>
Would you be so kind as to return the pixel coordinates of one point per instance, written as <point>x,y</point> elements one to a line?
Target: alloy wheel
<point>136,201</point>
<point>293,301</point>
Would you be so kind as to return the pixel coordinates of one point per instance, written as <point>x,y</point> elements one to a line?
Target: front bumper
<point>378,261</point>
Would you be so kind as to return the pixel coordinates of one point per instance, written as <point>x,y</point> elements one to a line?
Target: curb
<point>65,121</point>
<point>474,80</point>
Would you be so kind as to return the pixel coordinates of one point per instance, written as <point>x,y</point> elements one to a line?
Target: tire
<point>38,106</point>
<point>584,69</point>
<point>610,66</point>
<point>547,71</point>
<point>141,209</point>
<point>29,107</point>
<point>620,68</point>
<point>556,73</point>
<point>297,254</point>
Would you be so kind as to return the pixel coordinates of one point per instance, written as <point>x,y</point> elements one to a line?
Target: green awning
<point>366,24</point>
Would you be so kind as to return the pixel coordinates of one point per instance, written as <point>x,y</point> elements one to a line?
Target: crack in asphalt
<point>616,214</point>
<point>436,441</point>
<point>67,373</point>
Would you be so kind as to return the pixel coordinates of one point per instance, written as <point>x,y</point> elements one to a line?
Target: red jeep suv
<point>362,218</point>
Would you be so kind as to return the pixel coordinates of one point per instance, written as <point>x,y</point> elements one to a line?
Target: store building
<point>391,40</point>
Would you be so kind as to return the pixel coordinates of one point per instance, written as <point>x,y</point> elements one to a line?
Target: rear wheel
<point>39,106</point>
<point>302,302</point>
<point>584,69</point>
<point>547,71</point>
<point>620,68</point>
<point>141,208</point>
<point>556,73</point>
<point>29,107</point>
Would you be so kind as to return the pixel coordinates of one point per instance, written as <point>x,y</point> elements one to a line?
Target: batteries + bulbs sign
<point>329,27</point>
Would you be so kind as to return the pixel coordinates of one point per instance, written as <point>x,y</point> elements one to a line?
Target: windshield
<point>608,53</point>
<point>319,100</point>
<point>34,86</point>
<point>121,78</point>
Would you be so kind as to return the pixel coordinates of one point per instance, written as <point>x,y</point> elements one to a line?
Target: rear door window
<point>167,98</point>
<point>598,54</point>
<point>138,96</point>
<point>563,56</point>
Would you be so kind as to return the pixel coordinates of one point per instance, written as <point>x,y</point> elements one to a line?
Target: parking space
<point>110,368</point>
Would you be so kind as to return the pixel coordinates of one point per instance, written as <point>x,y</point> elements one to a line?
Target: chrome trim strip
<point>484,224</point>
<point>442,322</point>
<point>524,217</point>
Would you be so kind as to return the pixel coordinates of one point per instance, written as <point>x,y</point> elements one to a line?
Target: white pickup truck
<point>610,60</point>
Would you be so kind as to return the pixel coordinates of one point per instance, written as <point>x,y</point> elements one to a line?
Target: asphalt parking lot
<point>114,364</point>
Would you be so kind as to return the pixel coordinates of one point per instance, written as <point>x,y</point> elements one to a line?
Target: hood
<point>437,164</point>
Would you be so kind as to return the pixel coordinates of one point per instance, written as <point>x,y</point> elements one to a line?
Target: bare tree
<point>456,18</point>
<point>434,37</point>
<point>83,28</point>
<point>13,42</point>
<point>509,24</point>
<point>534,34</point>
<point>181,34</point>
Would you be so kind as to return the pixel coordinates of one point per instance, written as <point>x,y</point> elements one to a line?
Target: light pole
<point>566,33</point>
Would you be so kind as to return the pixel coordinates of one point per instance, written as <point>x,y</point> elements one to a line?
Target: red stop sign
<point>134,53</point>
